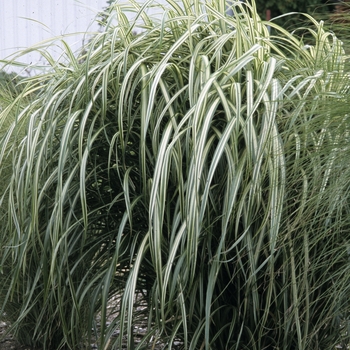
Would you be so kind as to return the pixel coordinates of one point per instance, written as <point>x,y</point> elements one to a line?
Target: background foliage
<point>282,7</point>
<point>321,10</point>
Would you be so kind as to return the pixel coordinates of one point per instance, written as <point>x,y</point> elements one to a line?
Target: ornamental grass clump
<point>186,186</point>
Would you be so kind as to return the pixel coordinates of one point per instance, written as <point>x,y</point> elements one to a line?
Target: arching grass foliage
<point>197,172</point>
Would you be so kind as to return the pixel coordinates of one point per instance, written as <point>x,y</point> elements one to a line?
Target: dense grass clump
<point>197,173</point>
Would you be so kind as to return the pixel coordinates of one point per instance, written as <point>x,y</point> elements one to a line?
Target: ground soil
<point>7,342</point>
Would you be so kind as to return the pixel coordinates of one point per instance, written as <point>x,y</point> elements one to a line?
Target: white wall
<point>24,23</point>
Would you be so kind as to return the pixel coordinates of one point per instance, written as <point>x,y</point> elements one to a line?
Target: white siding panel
<point>24,23</point>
